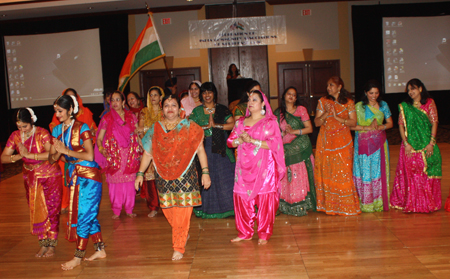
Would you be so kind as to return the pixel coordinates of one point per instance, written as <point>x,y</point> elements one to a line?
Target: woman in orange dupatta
<point>84,115</point>
<point>333,172</point>
<point>172,144</point>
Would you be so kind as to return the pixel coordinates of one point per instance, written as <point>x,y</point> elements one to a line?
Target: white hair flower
<point>75,104</point>
<point>33,116</point>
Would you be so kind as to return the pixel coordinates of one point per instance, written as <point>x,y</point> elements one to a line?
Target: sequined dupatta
<point>369,141</point>
<point>253,162</point>
<point>120,137</point>
<point>173,151</point>
<point>300,148</point>
<point>418,134</point>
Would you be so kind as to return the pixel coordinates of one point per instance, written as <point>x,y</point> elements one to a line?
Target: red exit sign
<point>165,21</point>
<point>306,12</point>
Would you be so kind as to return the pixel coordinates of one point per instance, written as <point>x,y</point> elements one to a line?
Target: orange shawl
<point>84,115</point>
<point>174,150</point>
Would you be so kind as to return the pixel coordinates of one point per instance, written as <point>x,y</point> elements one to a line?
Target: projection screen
<point>416,47</point>
<point>40,67</point>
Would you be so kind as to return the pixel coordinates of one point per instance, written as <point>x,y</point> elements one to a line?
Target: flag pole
<point>165,61</point>
<point>168,71</point>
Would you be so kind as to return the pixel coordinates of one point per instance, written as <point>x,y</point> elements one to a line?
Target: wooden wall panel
<point>251,61</point>
<point>185,76</point>
<point>220,60</point>
<point>320,72</point>
<point>310,79</point>
<point>253,64</point>
<point>292,74</point>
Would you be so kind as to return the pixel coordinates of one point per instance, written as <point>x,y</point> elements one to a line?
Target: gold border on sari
<point>71,204</point>
<point>38,212</point>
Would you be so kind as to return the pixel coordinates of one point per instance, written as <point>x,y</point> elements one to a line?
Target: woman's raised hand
<point>245,137</point>
<point>59,146</point>
<point>289,129</point>
<point>22,150</point>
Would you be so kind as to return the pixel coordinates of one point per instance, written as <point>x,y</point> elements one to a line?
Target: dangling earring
<point>263,111</point>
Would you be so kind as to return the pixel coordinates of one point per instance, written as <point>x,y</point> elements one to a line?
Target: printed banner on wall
<point>236,32</point>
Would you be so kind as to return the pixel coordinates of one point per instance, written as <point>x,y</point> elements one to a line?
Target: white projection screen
<point>40,67</point>
<point>416,47</point>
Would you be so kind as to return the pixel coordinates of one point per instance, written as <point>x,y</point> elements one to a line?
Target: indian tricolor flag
<point>145,50</point>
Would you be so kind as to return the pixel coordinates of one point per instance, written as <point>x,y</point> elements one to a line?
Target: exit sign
<point>306,12</point>
<point>165,21</point>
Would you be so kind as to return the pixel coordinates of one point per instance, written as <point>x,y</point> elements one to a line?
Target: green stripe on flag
<point>146,54</point>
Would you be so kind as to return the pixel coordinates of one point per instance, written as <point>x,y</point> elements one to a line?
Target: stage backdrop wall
<point>114,49</point>
<point>368,49</point>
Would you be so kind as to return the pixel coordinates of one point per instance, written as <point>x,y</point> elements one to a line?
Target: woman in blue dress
<point>73,140</point>
<point>371,153</point>
<point>216,121</point>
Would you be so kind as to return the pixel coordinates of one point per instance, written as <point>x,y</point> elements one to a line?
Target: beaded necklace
<point>70,129</point>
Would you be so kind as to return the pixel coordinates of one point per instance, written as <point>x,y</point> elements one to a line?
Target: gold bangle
<point>345,120</point>
<point>11,158</point>
<point>35,157</point>
<point>53,158</point>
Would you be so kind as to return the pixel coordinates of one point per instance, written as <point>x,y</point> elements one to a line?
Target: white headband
<point>199,84</point>
<point>33,116</point>
<point>75,104</point>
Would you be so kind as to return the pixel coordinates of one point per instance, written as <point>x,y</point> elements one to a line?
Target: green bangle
<point>205,172</point>
<point>139,173</point>
<point>205,168</point>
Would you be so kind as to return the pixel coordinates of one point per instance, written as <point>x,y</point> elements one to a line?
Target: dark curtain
<point>368,48</point>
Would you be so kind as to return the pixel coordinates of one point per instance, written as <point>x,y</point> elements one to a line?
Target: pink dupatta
<point>119,137</point>
<point>254,168</point>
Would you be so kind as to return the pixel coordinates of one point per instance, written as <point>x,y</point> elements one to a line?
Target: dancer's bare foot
<point>238,239</point>
<point>176,256</point>
<point>64,210</point>
<point>97,255</point>
<point>50,252</point>
<point>262,242</point>
<point>115,217</point>
<point>41,252</point>
<point>131,215</point>
<point>71,264</point>
<point>152,213</point>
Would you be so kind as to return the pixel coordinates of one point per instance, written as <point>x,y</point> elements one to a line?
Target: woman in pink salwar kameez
<point>260,166</point>
<point>118,143</point>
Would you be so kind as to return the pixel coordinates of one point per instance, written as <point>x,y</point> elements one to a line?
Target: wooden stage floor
<point>371,245</point>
